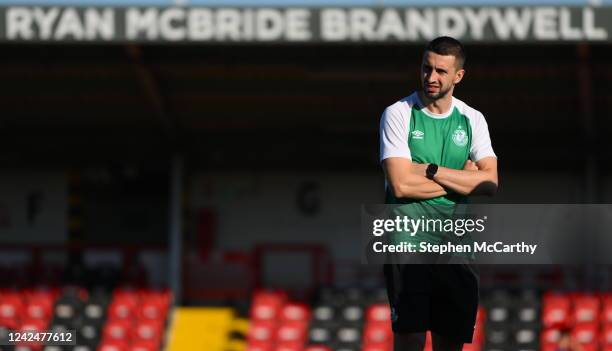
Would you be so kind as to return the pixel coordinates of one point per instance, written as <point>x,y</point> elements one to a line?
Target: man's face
<point>439,74</point>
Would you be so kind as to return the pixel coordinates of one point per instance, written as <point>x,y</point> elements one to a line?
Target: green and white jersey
<point>409,130</point>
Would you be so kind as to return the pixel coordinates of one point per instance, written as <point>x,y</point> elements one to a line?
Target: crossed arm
<point>407,179</point>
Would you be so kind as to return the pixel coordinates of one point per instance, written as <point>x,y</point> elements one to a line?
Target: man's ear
<point>459,76</point>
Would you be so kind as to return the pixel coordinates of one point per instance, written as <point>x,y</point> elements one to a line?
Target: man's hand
<point>476,178</point>
<point>470,166</point>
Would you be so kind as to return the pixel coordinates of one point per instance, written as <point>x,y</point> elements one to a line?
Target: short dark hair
<point>448,46</point>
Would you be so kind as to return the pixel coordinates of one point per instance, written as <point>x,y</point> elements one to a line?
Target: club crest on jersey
<point>460,137</point>
<point>417,134</point>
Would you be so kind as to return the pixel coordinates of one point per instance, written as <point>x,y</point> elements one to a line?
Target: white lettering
<point>19,23</point>
<point>588,23</point>
<point>565,24</point>
<point>390,25</point>
<point>362,22</point>
<point>451,23</point>
<point>166,27</point>
<point>333,25</point>
<point>476,21</point>
<point>44,21</point>
<point>545,23</point>
<point>100,24</point>
<point>199,24</point>
<point>69,25</point>
<point>137,22</point>
<point>422,25</point>
<point>269,25</point>
<point>511,23</point>
<point>228,24</point>
<point>297,25</point>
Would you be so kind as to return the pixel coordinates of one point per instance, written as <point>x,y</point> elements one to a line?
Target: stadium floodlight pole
<point>175,226</point>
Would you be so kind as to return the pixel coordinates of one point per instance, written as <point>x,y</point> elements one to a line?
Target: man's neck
<point>439,106</point>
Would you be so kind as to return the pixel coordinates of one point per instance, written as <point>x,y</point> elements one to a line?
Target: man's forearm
<point>417,187</point>
<point>463,181</point>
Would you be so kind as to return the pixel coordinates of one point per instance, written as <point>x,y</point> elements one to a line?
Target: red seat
<point>586,309</point>
<point>126,292</point>
<point>592,346</point>
<point>9,323</point>
<point>607,311</point>
<point>378,313</point>
<point>118,330</point>
<point>142,348</point>
<point>33,325</point>
<point>154,309</point>
<point>261,331</point>
<point>39,309</point>
<point>254,345</point>
<point>148,330</point>
<point>556,310</point>
<point>377,333</point>
<point>377,347</point>
<point>585,333</point>
<point>11,306</point>
<point>122,308</point>
<point>144,345</point>
<point>550,336</point>
<point>289,347</point>
<point>113,345</point>
<point>48,295</point>
<point>267,306</point>
<point>295,312</point>
<point>266,310</point>
<point>164,297</point>
<point>606,335</point>
<point>548,347</point>
<point>292,332</point>
<point>317,348</point>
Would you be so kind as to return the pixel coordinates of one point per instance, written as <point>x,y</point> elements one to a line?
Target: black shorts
<point>442,298</point>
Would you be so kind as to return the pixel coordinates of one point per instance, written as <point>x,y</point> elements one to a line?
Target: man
<point>435,151</point>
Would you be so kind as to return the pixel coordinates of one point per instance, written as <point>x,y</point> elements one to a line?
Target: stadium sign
<point>298,25</point>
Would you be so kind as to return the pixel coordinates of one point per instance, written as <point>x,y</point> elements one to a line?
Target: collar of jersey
<point>432,114</point>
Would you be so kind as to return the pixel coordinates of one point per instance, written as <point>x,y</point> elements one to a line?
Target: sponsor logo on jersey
<point>417,134</point>
<point>460,137</point>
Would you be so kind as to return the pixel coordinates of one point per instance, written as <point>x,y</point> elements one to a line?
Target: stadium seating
<point>136,320</point>
<point>586,317</point>
<point>128,320</point>
<point>340,319</point>
<point>337,319</point>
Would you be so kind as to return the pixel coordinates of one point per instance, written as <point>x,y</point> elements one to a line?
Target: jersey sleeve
<point>481,141</point>
<point>393,135</point>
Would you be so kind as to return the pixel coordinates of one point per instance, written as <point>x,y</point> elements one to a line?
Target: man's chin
<point>431,96</point>
<point>435,96</point>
